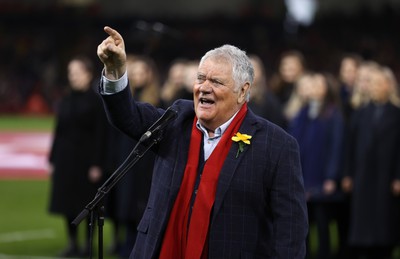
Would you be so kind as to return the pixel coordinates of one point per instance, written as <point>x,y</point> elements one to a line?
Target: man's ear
<point>244,91</point>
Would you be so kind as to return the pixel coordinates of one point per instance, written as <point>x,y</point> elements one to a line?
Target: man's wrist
<point>110,86</point>
<point>114,74</point>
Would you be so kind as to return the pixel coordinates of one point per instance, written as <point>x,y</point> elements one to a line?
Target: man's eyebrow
<point>214,79</point>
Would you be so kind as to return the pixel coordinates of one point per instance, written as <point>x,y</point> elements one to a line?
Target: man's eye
<point>216,83</point>
<point>200,79</point>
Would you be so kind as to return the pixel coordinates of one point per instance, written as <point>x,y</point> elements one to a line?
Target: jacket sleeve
<point>288,205</point>
<point>131,117</point>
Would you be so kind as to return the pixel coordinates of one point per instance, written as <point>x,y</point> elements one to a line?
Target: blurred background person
<point>347,77</point>
<point>361,95</point>
<point>262,102</point>
<point>129,198</point>
<point>174,82</point>
<point>78,151</point>
<point>318,128</point>
<point>180,81</point>
<point>291,66</point>
<point>190,77</point>
<point>358,98</point>
<point>143,75</point>
<point>373,172</point>
<point>299,96</point>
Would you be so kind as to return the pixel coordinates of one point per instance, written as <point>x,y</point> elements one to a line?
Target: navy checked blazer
<point>260,208</point>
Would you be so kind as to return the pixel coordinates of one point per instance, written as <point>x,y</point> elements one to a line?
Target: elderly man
<point>226,183</point>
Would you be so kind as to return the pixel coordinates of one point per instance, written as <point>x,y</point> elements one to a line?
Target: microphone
<point>169,115</point>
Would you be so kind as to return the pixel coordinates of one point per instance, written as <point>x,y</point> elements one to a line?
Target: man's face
<point>215,96</point>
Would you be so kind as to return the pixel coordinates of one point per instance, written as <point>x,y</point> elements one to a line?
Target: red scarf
<point>181,241</point>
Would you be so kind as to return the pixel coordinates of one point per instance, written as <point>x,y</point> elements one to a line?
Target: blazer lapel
<point>181,159</point>
<point>249,127</point>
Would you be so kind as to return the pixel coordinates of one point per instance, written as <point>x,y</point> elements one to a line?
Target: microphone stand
<point>95,207</point>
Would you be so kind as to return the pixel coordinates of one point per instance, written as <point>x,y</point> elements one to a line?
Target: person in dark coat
<point>373,169</point>
<point>349,78</point>
<point>77,152</point>
<point>319,130</point>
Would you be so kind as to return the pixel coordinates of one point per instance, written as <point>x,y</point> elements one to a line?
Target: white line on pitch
<point>26,235</point>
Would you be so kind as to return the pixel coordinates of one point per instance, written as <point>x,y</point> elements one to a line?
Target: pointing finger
<point>114,34</point>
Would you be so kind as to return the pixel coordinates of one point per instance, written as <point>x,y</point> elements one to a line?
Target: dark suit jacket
<point>259,210</point>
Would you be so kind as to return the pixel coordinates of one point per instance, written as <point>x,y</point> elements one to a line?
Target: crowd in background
<point>36,45</point>
<point>342,106</point>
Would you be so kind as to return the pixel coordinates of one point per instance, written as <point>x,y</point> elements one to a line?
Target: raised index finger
<point>114,34</point>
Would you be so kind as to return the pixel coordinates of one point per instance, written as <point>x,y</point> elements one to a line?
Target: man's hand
<point>112,53</point>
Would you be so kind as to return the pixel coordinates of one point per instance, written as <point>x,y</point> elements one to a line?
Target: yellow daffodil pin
<point>242,140</point>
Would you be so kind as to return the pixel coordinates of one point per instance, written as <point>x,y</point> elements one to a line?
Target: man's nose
<point>206,87</point>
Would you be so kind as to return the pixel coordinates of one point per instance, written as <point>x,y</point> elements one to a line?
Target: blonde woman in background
<point>299,97</point>
<point>144,79</point>
<point>360,96</point>
<point>174,82</point>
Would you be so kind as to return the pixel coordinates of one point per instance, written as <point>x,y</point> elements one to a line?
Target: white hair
<point>242,68</point>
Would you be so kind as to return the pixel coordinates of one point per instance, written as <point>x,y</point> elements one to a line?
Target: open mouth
<point>206,101</point>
